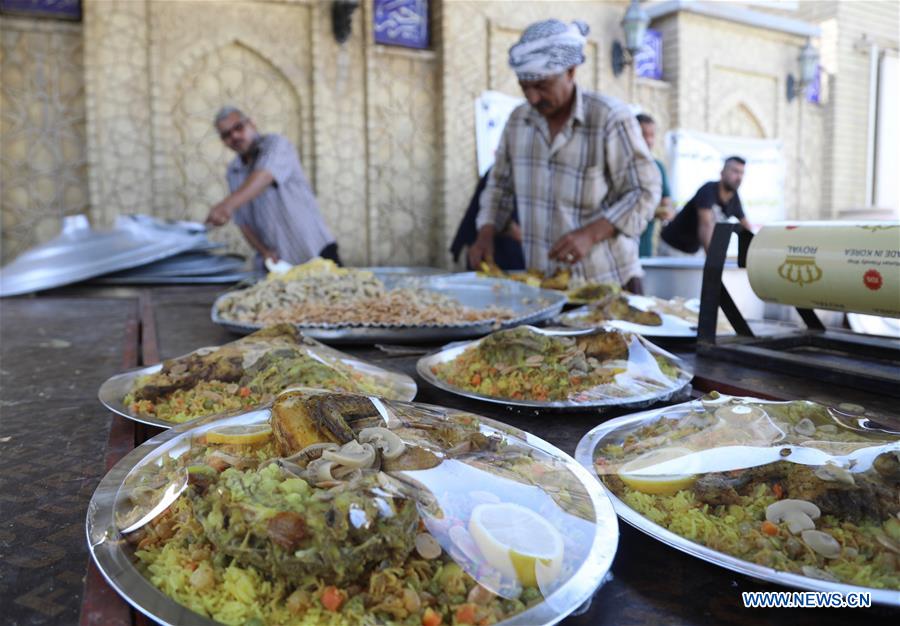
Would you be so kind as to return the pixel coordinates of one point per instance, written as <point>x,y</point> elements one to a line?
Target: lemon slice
<point>518,542</point>
<point>639,475</point>
<point>240,435</point>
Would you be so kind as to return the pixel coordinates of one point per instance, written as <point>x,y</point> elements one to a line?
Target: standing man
<point>574,164</point>
<point>664,211</point>
<point>715,201</point>
<point>270,200</point>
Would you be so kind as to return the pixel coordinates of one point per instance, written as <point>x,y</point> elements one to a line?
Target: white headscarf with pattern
<point>548,48</point>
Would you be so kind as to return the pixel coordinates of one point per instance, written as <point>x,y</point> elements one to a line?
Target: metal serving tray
<point>585,454</point>
<point>453,350</point>
<point>530,304</point>
<point>193,263</point>
<point>209,279</point>
<point>113,555</point>
<point>672,326</point>
<point>114,390</point>
<point>80,252</point>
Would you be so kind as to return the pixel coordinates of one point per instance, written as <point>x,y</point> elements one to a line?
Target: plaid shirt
<point>597,166</point>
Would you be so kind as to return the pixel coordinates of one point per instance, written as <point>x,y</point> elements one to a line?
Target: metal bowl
<point>451,351</point>
<point>529,304</point>
<point>113,391</point>
<point>585,454</point>
<point>114,556</point>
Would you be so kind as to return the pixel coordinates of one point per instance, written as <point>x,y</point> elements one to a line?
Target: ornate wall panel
<point>746,97</point>
<point>340,134</point>
<point>403,166</point>
<point>256,59</point>
<point>742,103</point>
<point>43,159</point>
<point>117,95</point>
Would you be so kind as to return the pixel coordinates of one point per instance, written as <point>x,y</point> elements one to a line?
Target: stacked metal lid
<point>139,249</point>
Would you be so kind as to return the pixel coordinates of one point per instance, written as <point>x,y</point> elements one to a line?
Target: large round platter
<point>613,430</point>
<point>113,555</point>
<point>529,305</point>
<point>113,391</point>
<point>452,351</point>
<point>672,327</point>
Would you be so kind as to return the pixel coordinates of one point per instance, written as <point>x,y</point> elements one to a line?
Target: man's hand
<point>483,248</point>
<point>664,211</point>
<point>219,214</point>
<point>576,245</point>
<point>514,231</point>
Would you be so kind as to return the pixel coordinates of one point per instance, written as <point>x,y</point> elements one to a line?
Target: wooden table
<point>96,332</point>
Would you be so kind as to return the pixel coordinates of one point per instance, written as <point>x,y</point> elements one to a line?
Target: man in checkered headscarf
<point>548,48</point>
<point>575,165</point>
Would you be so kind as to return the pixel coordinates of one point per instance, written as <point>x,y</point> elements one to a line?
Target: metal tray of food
<point>671,326</point>
<point>641,383</point>
<point>529,305</point>
<point>113,392</point>
<point>743,453</point>
<point>570,500</point>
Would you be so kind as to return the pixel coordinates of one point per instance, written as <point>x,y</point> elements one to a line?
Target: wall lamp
<point>342,18</point>
<point>634,24</point>
<point>809,65</point>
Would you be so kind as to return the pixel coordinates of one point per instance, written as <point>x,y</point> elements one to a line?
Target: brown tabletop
<point>651,583</point>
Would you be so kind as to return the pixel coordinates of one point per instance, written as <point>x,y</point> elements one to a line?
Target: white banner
<point>492,109</point>
<point>697,158</point>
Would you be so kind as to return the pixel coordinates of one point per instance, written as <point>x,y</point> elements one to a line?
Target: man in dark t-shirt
<point>716,201</point>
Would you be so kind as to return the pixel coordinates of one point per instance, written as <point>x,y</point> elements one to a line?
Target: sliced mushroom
<point>822,543</point>
<point>352,454</point>
<point>310,453</point>
<point>427,546</point>
<point>320,470</point>
<point>390,444</point>
<point>798,514</point>
<point>805,427</point>
<point>835,473</point>
<point>797,522</point>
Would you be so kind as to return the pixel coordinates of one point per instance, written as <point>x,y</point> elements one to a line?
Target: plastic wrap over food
<point>559,368</point>
<point>243,375</point>
<point>367,507</point>
<point>797,486</point>
<point>648,315</point>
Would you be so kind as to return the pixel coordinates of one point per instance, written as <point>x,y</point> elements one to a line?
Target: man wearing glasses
<point>270,200</point>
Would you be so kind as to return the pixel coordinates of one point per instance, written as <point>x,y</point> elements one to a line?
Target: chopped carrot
<point>476,379</point>
<point>778,490</point>
<point>769,528</point>
<point>431,618</point>
<point>244,392</point>
<point>465,614</point>
<point>332,598</point>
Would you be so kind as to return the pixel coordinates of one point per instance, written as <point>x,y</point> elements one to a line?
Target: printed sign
<point>401,23</point>
<point>648,62</point>
<point>60,9</point>
<point>492,109</point>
